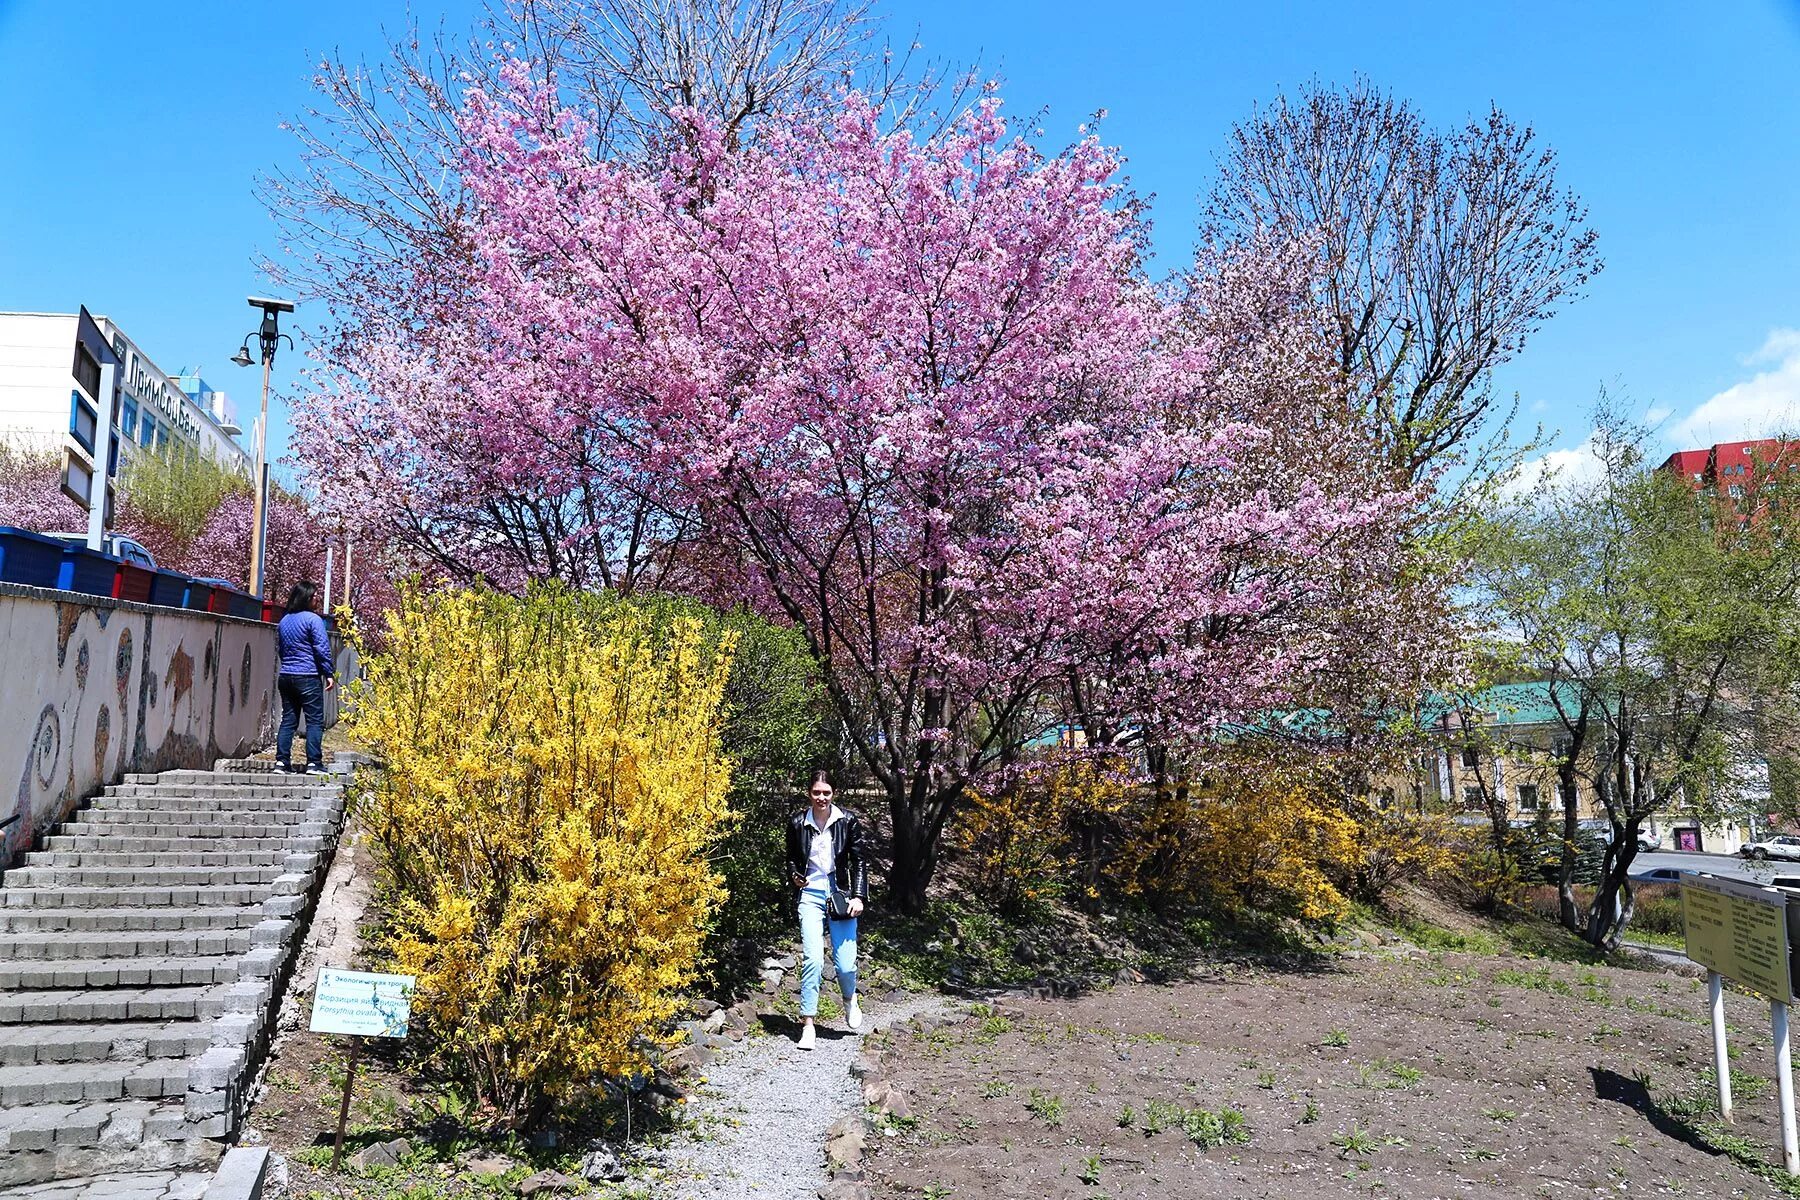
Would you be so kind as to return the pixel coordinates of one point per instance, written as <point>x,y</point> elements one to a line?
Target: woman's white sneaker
<point>853,1018</point>
<point>808,1036</point>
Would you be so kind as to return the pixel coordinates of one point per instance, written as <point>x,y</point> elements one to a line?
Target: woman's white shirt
<point>822,860</point>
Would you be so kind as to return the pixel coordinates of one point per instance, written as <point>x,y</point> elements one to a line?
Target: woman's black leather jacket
<point>851,873</point>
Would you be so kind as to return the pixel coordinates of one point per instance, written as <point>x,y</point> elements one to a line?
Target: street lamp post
<point>269,337</point>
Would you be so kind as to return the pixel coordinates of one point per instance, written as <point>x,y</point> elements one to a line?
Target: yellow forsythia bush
<point>1277,848</point>
<point>1019,838</point>
<point>553,782</point>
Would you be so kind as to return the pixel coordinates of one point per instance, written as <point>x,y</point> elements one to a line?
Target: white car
<point>116,545</point>
<point>1785,846</point>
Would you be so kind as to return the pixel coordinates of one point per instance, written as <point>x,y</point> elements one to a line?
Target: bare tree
<point>1441,252</point>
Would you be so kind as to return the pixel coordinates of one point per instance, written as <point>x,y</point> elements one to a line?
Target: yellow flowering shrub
<point>553,783</point>
<point>1278,848</point>
<point>1019,840</point>
<point>1398,847</point>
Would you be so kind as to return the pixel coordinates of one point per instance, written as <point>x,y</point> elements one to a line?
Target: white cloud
<point>1767,402</point>
<point>1658,414</point>
<point>1575,465</point>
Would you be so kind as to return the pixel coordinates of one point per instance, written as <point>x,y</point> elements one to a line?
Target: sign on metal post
<point>361,1004</point>
<point>1739,931</point>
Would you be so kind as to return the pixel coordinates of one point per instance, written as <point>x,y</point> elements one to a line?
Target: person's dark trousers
<point>301,693</point>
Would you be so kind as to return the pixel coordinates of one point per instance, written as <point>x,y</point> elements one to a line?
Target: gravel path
<point>759,1122</point>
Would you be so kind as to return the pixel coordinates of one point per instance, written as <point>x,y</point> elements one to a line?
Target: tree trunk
<point>915,852</point>
<point>1567,911</point>
<point>1614,901</point>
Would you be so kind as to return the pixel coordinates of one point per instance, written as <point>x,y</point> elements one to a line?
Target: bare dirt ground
<point>1426,1076</point>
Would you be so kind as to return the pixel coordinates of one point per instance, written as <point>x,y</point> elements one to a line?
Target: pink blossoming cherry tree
<point>913,393</point>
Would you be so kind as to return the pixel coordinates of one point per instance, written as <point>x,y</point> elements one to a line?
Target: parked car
<point>1649,841</point>
<point>117,545</point>
<point>1785,846</point>
<point>1657,875</point>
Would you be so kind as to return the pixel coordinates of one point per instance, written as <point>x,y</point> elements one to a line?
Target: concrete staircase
<point>143,951</point>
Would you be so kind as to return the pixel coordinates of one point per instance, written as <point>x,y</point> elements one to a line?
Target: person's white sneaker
<point>853,1017</point>
<point>808,1036</point>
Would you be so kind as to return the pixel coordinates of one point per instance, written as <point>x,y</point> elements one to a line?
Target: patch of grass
<point>1356,1140</point>
<point>1266,1080</point>
<point>1207,1128</point>
<point>1335,1037</point>
<point>1127,1117</point>
<point>1539,980</point>
<point>1310,1113</point>
<point>993,1089</point>
<point>1505,1116</point>
<point>1090,1170</point>
<point>1427,936</point>
<point>1046,1107</point>
<point>1204,1127</point>
<point>1388,1074</point>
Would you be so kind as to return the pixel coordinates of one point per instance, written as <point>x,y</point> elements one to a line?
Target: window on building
<point>1472,799</point>
<point>87,370</point>
<point>1735,491</point>
<point>1471,758</point>
<point>1528,797</point>
<point>147,430</point>
<point>128,419</point>
<point>1561,747</point>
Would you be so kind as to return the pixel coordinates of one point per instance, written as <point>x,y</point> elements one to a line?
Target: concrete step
<point>191,1002</point>
<point>220,855</point>
<point>182,824</point>
<point>91,843</point>
<point>76,974</point>
<point>181,805</point>
<point>73,1083</point>
<point>262,774</point>
<point>61,945</point>
<point>226,791</point>
<point>144,827</point>
<point>175,918</point>
<point>141,877</point>
<point>43,1127</point>
<point>130,1041</point>
<point>182,896</point>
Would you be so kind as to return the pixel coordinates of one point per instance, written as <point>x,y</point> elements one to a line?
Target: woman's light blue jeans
<point>812,951</point>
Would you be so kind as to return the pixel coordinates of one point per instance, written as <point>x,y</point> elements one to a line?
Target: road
<point>1728,865</point>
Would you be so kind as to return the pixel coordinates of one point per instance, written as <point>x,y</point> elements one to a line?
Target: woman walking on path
<point>306,675</point>
<point>825,860</point>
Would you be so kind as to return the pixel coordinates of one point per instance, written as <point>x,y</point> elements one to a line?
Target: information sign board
<point>1738,930</point>
<point>362,1003</point>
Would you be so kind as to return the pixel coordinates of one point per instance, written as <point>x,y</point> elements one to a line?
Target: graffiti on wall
<point>91,691</point>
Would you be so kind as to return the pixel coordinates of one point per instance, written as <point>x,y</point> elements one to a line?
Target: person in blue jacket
<point>306,675</point>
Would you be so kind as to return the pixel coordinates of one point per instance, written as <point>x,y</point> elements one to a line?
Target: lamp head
<point>242,357</point>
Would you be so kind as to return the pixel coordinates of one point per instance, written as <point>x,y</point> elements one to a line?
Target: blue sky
<point>131,135</point>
